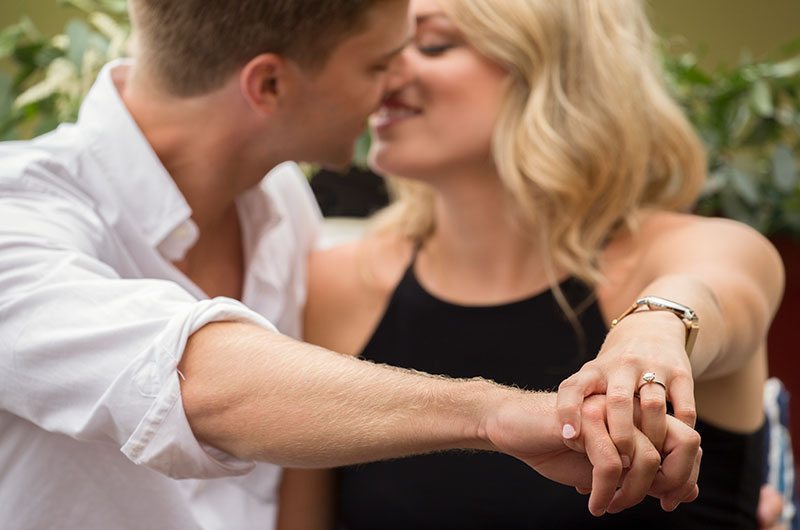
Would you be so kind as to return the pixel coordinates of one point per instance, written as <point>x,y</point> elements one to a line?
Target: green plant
<point>51,75</point>
<point>749,119</point>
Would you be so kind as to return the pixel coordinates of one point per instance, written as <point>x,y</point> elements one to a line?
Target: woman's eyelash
<point>434,50</point>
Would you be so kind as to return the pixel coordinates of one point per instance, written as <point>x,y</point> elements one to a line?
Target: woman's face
<point>441,122</point>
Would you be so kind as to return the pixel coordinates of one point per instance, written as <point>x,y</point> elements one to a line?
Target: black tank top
<point>530,344</point>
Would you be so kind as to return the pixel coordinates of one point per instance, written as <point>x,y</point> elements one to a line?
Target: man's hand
<point>594,464</point>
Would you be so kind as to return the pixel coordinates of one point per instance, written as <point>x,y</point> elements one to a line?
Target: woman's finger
<point>571,394</point>
<point>681,395</point>
<point>653,404</point>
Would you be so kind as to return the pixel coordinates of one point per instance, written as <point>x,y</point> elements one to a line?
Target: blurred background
<point>720,29</point>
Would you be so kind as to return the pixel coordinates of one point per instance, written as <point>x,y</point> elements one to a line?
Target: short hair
<point>193,46</point>
<point>588,136</point>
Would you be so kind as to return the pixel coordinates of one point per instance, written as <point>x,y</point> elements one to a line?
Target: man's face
<point>329,107</point>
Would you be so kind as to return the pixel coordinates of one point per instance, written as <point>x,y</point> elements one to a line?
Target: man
<point>125,361</point>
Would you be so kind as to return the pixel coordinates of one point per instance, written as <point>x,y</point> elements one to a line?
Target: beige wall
<point>48,15</point>
<point>720,27</point>
<point>723,28</point>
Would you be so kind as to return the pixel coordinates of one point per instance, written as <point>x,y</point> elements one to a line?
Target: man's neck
<point>202,143</point>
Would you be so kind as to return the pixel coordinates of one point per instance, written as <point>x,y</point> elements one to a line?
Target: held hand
<point>596,466</point>
<point>649,342</point>
<point>670,476</point>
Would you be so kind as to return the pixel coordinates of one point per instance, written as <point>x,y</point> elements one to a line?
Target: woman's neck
<point>478,254</point>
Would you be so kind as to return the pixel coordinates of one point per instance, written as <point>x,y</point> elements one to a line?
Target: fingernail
<point>568,431</point>
<point>626,461</point>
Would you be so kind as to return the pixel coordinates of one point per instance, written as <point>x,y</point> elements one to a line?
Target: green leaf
<point>12,36</point>
<point>362,149</point>
<point>761,98</point>
<point>79,34</point>
<point>47,122</point>
<point>6,96</point>
<point>745,186</point>
<point>9,38</point>
<point>117,7</point>
<point>784,173</point>
<point>791,213</point>
<point>740,122</point>
<point>733,208</point>
<point>716,180</point>
<point>790,68</point>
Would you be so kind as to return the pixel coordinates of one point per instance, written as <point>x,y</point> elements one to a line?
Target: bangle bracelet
<point>655,303</point>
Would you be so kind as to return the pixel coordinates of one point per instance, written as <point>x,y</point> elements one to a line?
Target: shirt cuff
<point>163,440</point>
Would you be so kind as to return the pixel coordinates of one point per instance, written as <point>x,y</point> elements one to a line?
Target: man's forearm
<point>259,395</point>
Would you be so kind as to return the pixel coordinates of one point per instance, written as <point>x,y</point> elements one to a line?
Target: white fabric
<point>340,230</point>
<point>94,319</point>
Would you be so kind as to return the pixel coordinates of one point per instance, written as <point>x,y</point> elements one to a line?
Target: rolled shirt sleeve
<point>89,354</point>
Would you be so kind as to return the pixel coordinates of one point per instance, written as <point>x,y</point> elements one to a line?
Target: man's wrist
<point>510,414</point>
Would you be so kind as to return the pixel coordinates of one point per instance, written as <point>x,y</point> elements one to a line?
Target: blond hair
<point>193,46</point>
<point>587,136</point>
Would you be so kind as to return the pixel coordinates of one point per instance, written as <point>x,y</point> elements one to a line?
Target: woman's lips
<point>392,112</point>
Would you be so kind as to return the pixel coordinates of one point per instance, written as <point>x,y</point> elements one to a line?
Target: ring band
<point>650,377</point>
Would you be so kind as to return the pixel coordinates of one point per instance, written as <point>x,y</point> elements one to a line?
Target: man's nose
<point>400,72</point>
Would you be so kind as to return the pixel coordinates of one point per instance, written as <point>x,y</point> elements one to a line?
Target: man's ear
<point>263,81</point>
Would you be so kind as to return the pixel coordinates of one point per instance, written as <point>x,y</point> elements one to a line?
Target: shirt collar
<point>142,185</point>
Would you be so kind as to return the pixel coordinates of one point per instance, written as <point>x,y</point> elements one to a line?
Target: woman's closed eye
<point>433,50</point>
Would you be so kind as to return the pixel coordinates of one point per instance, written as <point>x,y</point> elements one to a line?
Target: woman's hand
<point>593,464</point>
<point>644,342</point>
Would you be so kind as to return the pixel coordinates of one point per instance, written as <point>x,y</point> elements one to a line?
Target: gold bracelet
<point>655,303</point>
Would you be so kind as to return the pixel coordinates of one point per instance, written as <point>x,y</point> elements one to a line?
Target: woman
<point>543,171</point>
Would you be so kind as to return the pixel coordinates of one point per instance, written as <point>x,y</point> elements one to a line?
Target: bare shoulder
<point>374,263</point>
<point>666,243</point>
<point>673,242</point>
<point>697,235</point>
<point>348,288</point>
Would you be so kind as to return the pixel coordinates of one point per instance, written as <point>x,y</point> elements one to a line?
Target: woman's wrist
<point>664,326</point>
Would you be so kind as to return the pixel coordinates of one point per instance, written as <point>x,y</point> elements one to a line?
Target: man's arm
<point>258,395</point>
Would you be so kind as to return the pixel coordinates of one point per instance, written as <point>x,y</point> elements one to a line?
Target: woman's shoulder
<point>656,232</point>
<point>375,263</point>
<point>349,285</point>
<point>663,242</point>
<point>660,224</point>
<point>700,238</point>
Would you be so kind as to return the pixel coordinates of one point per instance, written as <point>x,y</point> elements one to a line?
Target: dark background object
<point>356,193</point>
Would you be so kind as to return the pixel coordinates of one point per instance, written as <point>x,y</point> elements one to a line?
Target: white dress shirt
<point>94,319</point>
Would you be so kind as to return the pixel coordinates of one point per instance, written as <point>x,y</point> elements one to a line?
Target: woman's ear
<point>262,81</point>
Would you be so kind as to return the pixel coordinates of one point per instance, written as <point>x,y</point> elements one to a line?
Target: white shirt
<point>94,319</point>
